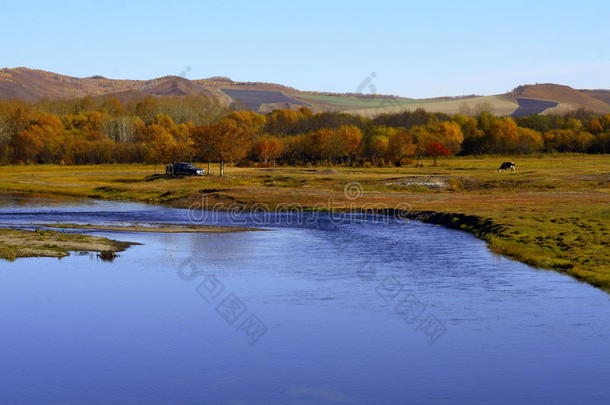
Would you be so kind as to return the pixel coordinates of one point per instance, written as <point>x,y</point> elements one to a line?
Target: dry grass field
<point>553,213</point>
<point>499,105</point>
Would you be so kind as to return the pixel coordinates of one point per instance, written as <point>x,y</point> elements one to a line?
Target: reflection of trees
<point>219,248</point>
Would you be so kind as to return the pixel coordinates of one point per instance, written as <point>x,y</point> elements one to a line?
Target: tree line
<point>161,130</point>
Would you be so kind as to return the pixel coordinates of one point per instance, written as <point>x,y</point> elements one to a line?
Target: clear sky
<point>415,48</point>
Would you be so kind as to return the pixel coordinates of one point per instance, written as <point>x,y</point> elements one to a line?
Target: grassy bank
<point>15,243</point>
<point>553,213</point>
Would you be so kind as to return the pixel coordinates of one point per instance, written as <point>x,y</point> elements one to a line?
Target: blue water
<point>354,310</point>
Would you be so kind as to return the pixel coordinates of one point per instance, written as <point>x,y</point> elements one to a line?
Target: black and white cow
<point>507,166</point>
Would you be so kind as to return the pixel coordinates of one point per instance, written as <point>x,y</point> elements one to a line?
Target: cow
<point>507,166</point>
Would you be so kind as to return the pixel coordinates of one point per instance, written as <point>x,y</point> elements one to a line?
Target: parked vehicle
<point>183,168</point>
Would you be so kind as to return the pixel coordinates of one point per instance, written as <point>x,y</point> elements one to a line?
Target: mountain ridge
<point>34,85</point>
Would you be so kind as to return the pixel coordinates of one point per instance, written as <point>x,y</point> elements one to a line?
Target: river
<point>351,310</point>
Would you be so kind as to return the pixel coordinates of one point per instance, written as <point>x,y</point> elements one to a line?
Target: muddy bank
<point>16,243</point>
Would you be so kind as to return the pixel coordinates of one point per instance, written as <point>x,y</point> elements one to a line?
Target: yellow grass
<point>499,105</point>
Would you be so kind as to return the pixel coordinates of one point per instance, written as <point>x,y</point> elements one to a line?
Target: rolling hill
<point>34,85</point>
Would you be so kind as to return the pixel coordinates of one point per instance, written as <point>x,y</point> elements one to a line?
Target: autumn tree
<point>282,121</point>
<point>350,142</point>
<point>147,109</point>
<point>595,126</point>
<point>473,135</point>
<point>267,148</point>
<point>333,145</point>
<point>320,145</point>
<point>222,142</point>
<point>113,107</point>
<point>568,140</point>
<point>530,141</point>
<point>436,149</point>
<point>162,145</point>
<point>375,144</point>
<point>28,145</point>
<point>448,133</point>
<point>502,136</point>
<point>421,137</point>
<point>250,121</point>
<point>400,146</point>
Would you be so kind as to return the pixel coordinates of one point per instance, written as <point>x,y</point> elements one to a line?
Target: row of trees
<point>171,129</point>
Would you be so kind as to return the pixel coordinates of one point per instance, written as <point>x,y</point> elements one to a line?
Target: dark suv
<point>183,169</point>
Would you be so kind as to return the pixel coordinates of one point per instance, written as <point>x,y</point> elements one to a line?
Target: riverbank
<point>553,213</point>
<point>17,243</point>
<point>49,242</point>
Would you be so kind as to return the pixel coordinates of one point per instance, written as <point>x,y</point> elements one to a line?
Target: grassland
<point>499,105</point>
<point>554,213</point>
<point>353,102</point>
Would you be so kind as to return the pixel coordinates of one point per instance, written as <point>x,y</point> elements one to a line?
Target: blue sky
<point>415,49</point>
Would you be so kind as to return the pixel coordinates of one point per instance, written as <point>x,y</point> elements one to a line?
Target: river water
<point>351,310</point>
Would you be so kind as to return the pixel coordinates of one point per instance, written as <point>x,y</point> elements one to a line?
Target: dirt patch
<point>328,171</point>
<point>434,183</point>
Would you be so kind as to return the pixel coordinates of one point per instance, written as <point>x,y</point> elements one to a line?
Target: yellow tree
<point>248,120</point>
<point>529,141</point>
<point>280,121</point>
<point>503,136</point>
<point>421,136</point>
<point>350,141</point>
<point>29,144</point>
<point>319,145</point>
<point>378,148</point>
<point>162,145</point>
<point>448,133</point>
<point>268,148</point>
<point>595,126</point>
<point>400,146</point>
<point>222,142</point>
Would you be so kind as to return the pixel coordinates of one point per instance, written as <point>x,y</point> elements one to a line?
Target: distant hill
<point>567,97</point>
<point>602,95</point>
<point>34,85</point>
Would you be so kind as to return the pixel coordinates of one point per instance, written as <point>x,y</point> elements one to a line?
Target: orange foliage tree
<point>267,148</point>
<point>222,142</point>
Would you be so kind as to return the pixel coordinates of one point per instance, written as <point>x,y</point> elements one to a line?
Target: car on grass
<point>183,169</point>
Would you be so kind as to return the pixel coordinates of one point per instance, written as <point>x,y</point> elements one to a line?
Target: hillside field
<point>35,85</point>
